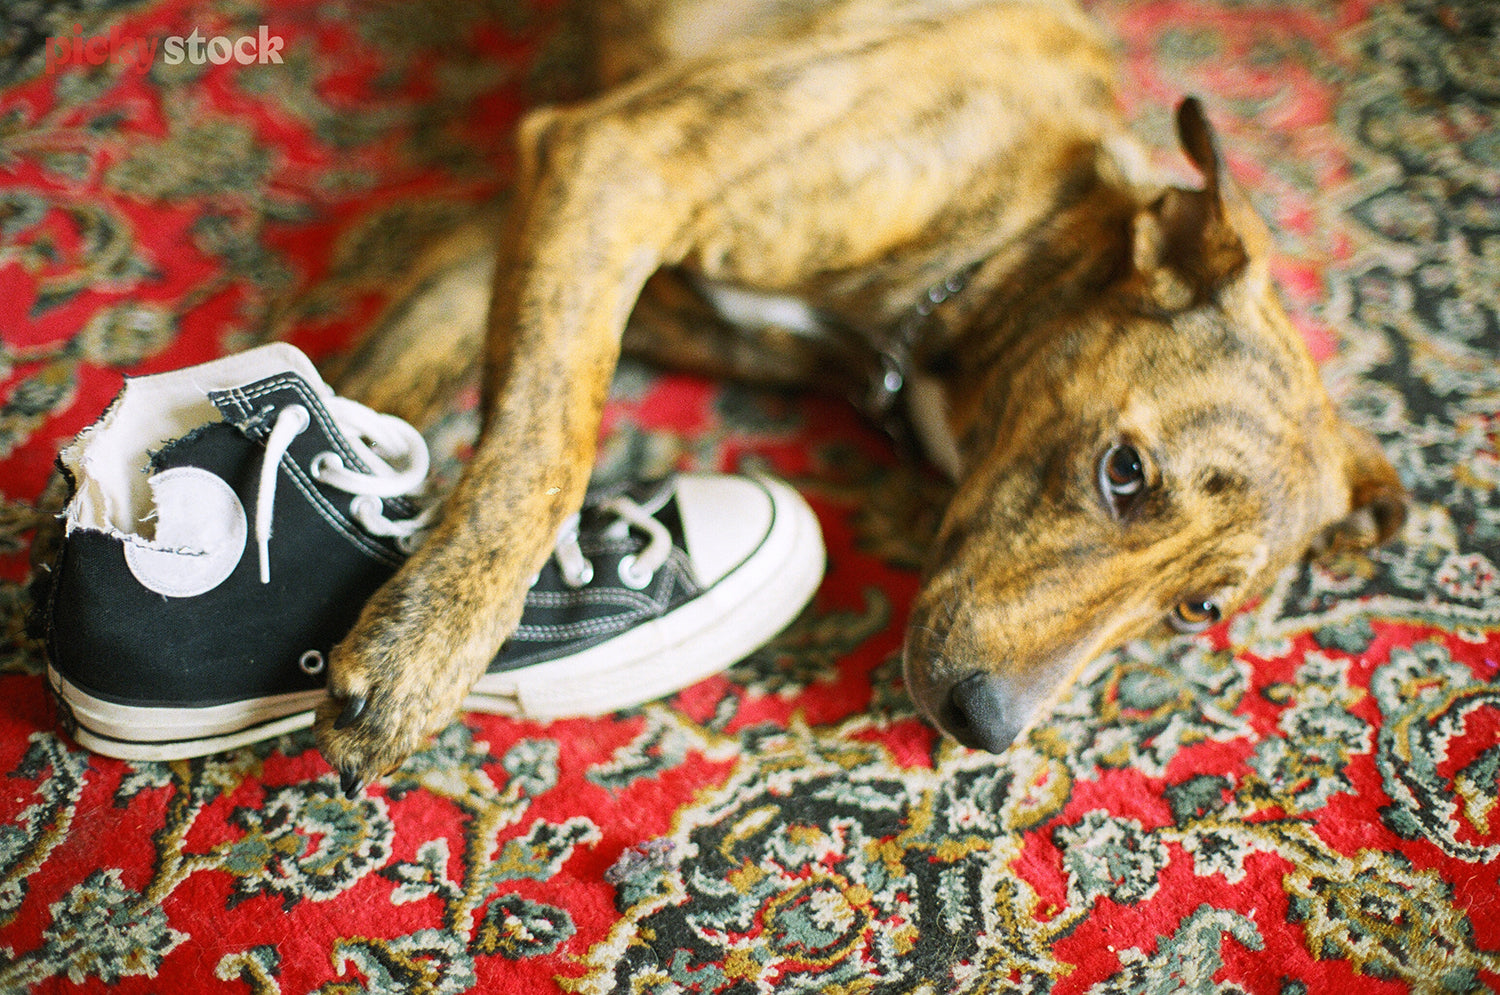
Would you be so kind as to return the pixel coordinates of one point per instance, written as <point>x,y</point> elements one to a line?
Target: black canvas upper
<point>559,619</point>
<point>121,642</point>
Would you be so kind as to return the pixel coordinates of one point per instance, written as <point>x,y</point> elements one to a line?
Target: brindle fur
<point>852,154</point>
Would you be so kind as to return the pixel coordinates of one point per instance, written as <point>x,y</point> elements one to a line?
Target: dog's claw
<point>354,707</point>
<point>351,784</point>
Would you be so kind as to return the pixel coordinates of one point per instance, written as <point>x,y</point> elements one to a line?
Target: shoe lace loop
<point>576,568</point>
<point>395,452</point>
<point>398,458</point>
<point>636,570</point>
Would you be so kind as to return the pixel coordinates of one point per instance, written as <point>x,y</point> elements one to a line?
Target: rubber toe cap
<point>724,521</point>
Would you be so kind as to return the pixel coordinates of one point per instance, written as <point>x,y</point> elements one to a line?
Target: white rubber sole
<point>726,623</point>
<point>138,732</point>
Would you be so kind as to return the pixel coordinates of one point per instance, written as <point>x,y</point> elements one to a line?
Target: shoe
<point>177,624</point>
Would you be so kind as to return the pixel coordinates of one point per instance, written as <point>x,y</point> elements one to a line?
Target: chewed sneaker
<point>179,623</point>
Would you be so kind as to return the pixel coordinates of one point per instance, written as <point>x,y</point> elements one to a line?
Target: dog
<point>941,196</point>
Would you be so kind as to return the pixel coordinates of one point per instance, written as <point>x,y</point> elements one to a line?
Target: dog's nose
<point>977,713</point>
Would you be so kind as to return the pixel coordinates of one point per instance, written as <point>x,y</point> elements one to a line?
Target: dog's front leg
<point>749,169</point>
<point>579,247</point>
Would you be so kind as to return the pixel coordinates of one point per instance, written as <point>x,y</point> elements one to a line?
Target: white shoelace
<point>398,458</point>
<point>395,452</point>
<point>636,570</point>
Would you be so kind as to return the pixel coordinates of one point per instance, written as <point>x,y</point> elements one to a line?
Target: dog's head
<point>1147,459</point>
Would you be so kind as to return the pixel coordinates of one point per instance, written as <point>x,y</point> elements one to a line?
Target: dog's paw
<point>396,679</point>
<point>363,742</point>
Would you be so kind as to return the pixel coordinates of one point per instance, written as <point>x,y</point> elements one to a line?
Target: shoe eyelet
<point>322,462</point>
<point>365,507</point>
<point>633,577</point>
<point>580,577</point>
<point>311,663</point>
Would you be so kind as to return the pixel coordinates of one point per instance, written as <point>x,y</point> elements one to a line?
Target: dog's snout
<point>977,714</point>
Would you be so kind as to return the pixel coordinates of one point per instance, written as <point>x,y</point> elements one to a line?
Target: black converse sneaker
<point>178,624</point>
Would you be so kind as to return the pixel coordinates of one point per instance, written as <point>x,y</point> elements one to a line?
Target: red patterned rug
<point>1301,800</point>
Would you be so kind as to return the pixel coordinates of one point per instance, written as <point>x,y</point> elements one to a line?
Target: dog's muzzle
<point>977,715</point>
<point>978,709</point>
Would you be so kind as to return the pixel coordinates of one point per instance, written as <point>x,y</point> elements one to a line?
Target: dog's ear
<point>1377,499</point>
<point>1188,243</point>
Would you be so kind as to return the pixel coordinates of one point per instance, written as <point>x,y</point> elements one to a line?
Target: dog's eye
<point>1121,476</point>
<point>1194,615</point>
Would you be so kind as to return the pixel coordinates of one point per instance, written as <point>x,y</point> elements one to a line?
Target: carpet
<point>1300,800</point>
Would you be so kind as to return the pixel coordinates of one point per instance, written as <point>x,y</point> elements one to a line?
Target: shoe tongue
<point>650,494</point>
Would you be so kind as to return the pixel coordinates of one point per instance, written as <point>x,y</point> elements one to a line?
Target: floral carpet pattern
<point>1301,800</point>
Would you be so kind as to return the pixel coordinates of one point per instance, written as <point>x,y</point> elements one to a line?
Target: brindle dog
<point>1137,432</point>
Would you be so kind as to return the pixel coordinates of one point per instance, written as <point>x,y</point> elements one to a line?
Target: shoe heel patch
<point>200,534</point>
